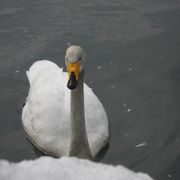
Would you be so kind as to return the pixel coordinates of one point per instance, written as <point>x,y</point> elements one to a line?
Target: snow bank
<point>66,168</point>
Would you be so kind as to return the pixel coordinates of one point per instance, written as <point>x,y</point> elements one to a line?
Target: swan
<point>62,116</point>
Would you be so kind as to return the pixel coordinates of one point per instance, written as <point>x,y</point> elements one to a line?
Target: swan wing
<point>44,114</point>
<point>97,124</point>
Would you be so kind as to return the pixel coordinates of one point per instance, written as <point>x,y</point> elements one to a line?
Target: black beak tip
<point>72,83</point>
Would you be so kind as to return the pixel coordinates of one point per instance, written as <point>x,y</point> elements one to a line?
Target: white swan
<point>61,121</point>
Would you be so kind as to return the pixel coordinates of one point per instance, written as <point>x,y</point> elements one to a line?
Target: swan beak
<point>73,71</point>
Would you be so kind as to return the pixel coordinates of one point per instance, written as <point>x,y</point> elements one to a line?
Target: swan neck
<point>79,146</point>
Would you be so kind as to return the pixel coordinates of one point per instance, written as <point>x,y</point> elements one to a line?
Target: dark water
<point>133,66</point>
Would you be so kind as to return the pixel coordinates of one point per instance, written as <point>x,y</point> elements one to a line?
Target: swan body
<point>46,115</point>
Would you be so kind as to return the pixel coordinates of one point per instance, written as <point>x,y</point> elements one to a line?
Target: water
<point>133,67</point>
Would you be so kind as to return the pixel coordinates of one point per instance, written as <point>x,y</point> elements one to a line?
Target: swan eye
<point>66,58</point>
<point>80,59</point>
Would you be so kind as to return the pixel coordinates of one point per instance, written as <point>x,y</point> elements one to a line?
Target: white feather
<point>46,114</point>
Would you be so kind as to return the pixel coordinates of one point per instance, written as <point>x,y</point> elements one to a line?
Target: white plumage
<point>46,114</point>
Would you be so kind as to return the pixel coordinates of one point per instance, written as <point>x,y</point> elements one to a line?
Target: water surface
<point>133,67</point>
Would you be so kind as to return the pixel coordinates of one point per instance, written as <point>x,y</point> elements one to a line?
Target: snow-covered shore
<point>66,168</point>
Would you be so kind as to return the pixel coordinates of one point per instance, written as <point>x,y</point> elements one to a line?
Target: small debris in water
<point>99,67</point>
<point>129,110</point>
<point>110,62</point>
<point>142,145</point>
<point>130,69</point>
<point>169,175</point>
<point>17,71</point>
<point>124,105</point>
<point>113,87</point>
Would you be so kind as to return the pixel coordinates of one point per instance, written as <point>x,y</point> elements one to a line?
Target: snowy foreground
<point>66,168</point>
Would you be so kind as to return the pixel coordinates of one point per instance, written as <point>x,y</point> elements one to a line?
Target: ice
<point>67,168</point>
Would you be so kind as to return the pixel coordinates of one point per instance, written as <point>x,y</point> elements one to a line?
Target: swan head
<point>74,59</point>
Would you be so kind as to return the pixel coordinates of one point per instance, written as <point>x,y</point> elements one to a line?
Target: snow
<point>65,168</point>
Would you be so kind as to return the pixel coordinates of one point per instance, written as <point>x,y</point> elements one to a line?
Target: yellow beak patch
<point>74,67</point>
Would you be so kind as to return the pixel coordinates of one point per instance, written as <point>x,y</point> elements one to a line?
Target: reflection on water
<point>133,67</point>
